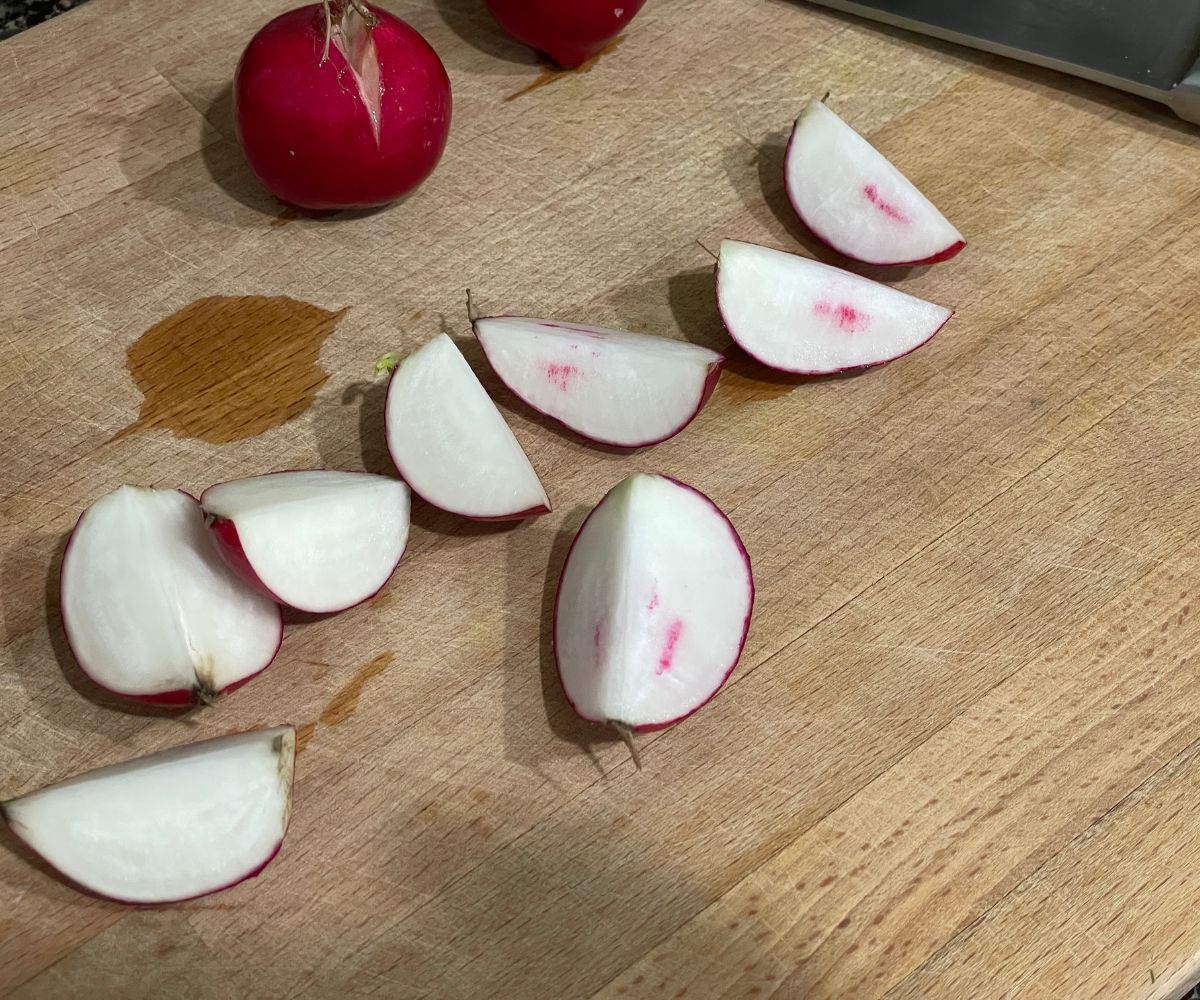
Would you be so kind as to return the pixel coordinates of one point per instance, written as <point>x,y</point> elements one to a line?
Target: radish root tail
<point>626,735</point>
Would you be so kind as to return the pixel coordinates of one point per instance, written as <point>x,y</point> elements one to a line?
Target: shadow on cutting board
<point>533,696</point>
<point>470,20</point>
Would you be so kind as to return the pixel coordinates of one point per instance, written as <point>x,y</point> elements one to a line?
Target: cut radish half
<point>318,541</point>
<point>618,388</point>
<point>151,611</point>
<point>808,318</point>
<point>451,444</point>
<point>852,197</point>
<point>170,826</point>
<point>653,605</point>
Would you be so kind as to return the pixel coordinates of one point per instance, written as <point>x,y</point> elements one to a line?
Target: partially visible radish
<point>449,441</point>
<point>805,317</point>
<point>852,197</point>
<point>568,31</point>
<point>171,826</point>
<point>319,541</point>
<point>653,606</point>
<point>341,105</point>
<point>151,611</point>
<point>618,388</point>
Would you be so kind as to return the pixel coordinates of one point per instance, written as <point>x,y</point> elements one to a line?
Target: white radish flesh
<point>451,444</point>
<point>653,605</point>
<point>615,387</point>
<point>852,197</point>
<point>170,826</point>
<point>804,317</point>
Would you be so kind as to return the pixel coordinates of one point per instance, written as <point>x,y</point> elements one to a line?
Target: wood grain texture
<point>957,758</point>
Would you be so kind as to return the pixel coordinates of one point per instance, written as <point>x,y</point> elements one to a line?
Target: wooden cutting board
<point>959,757</point>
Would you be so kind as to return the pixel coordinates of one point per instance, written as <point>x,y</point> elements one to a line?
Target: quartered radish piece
<point>808,318</point>
<point>150,609</point>
<point>653,605</point>
<point>451,444</point>
<point>170,826</point>
<point>618,388</point>
<point>852,197</point>
<point>319,541</point>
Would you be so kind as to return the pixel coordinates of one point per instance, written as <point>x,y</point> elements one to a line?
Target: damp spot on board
<point>227,368</point>
<point>667,656</point>
<point>561,375</point>
<point>871,193</point>
<point>289,214</point>
<point>304,733</point>
<point>844,315</point>
<point>345,703</point>
<point>552,74</point>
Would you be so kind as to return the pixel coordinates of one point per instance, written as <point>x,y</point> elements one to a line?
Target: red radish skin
<point>225,534</point>
<point>673,633</point>
<point>569,31</point>
<point>182,698</point>
<point>320,134</point>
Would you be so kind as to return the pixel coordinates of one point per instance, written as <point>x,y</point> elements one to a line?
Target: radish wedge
<point>653,605</point>
<point>150,609</point>
<point>807,318</point>
<point>171,826</point>
<point>853,198</point>
<point>617,388</point>
<point>318,541</point>
<point>451,444</point>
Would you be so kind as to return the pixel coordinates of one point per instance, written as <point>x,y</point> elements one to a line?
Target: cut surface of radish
<point>150,609</point>
<point>852,197</point>
<point>653,605</point>
<point>451,444</point>
<point>169,826</point>
<point>804,317</point>
<point>614,387</point>
<point>320,541</point>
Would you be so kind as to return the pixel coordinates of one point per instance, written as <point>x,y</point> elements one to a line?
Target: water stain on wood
<point>283,218</point>
<point>344,704</point>
<point>304,733</point>
<point>227,368</point>
<point>551,74</point>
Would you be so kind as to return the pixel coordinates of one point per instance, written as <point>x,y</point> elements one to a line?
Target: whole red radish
<point>341,105</point>
<point>568,32</point>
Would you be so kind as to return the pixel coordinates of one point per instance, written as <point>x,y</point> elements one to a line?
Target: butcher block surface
<point>959,757</point>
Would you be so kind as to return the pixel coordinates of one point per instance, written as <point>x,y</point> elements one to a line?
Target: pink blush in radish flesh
<point>561,375</point>
<point>668,652</point>
<point>844,315</point>
<point>886,207</point>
